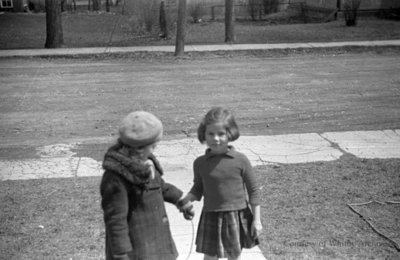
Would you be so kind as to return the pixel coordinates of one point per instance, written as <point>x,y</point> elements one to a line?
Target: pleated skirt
<point>224,234</point>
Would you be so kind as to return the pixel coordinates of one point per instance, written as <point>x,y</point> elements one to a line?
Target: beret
<point>140,128</point>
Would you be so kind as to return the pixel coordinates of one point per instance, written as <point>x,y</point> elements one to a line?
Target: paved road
<point>71,160</point>
<point>50,101</point>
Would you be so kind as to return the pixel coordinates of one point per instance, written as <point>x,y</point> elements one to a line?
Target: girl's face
<point>217,138</point>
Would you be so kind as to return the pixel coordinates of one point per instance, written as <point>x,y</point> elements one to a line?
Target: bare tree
<point>229,22</point>
<point>180,30</point>
<point>163,21</point>
<point>107,5</point>
<point>54,32</point>
<point>96,5</point>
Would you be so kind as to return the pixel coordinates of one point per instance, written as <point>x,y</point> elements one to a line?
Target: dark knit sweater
<point>225,181</point>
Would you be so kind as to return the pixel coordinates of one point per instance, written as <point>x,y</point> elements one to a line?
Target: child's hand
<point>186,207</point>
<point>189,212</point>
<point>256,228</point>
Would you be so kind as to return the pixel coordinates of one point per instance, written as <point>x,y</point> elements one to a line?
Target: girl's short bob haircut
<point>218,115</point>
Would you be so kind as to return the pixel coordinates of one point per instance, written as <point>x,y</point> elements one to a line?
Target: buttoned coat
<point>135,218</point>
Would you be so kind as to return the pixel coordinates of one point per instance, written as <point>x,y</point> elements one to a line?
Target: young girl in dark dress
<point>229,221</point>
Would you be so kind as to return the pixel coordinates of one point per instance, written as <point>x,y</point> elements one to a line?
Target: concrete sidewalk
<point>176,157</point>
<point>59,160</point>
<point>188,48</point>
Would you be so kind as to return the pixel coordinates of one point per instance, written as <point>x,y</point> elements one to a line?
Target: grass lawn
<point>110,29</point>
<point>305,210</point>
<point>304,213</point>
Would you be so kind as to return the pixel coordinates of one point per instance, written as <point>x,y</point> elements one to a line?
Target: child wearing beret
<point>133,194</point>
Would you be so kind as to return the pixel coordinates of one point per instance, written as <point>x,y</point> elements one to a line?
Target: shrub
<point>196,11</point>
<point>144,14</point>
<point>271,6</point>
<point>254,8</point>
<point>350,11</point>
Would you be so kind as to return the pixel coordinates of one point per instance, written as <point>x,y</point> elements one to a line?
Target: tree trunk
<point>163,21</point>
<point>54,33</point>
<point>96,5</point>
<point>107,6</point>
<point>229,22</point>
<point>180,30</point>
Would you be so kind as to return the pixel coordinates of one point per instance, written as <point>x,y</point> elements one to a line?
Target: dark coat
<point>135,218</point>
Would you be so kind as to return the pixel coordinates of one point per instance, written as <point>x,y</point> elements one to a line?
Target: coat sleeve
<point>170,192</point>
<point>115,205</point>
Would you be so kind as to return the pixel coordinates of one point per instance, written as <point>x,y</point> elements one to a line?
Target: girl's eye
<point>221,134</point>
